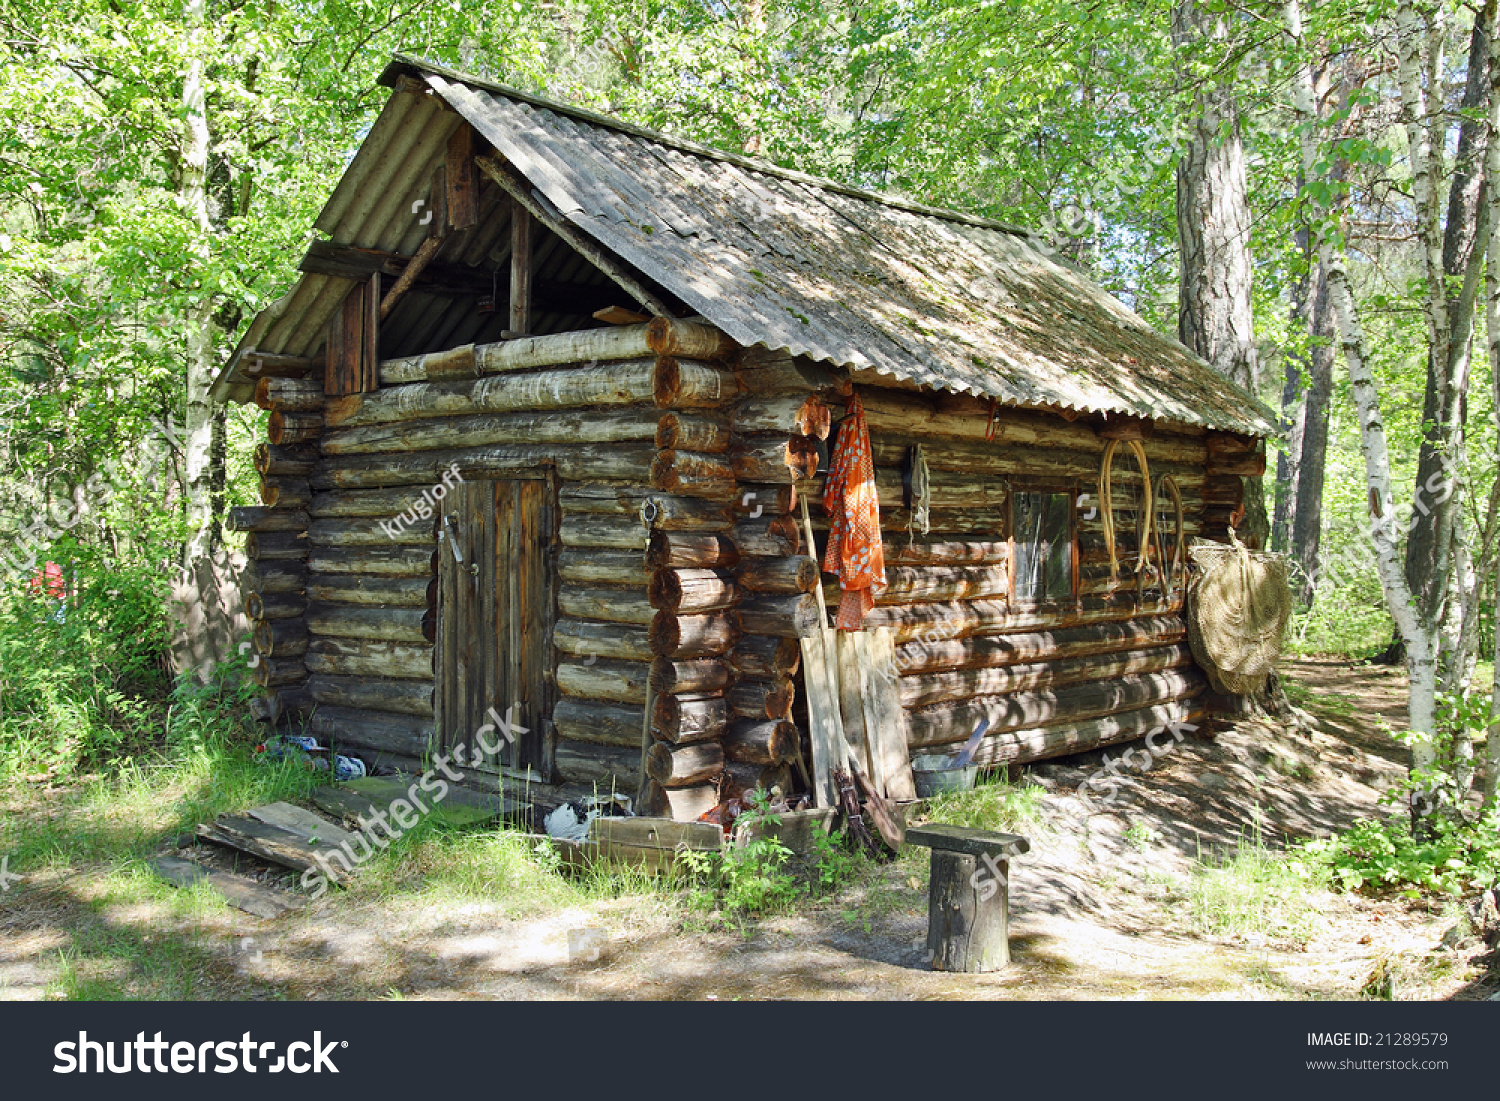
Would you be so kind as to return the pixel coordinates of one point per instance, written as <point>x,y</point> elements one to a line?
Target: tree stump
<point>968,899</point>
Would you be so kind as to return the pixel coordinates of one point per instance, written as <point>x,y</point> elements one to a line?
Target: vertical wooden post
<point>520,269</point>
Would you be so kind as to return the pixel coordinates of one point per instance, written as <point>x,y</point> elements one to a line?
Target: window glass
<point>1044,546</point>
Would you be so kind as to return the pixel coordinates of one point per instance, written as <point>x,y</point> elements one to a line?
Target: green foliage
<point>1454,857</point>
<point>83,678</point>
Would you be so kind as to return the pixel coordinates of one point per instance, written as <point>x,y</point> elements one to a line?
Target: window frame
<point>1072,600</point>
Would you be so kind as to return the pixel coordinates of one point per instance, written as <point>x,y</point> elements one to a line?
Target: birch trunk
<point>193,191</point>
<point>1418,632</point>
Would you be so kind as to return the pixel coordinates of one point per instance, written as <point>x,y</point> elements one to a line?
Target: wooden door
<point>496,601</point>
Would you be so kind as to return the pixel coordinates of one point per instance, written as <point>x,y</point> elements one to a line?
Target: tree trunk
<point>1214,317</point>
<point>193,190</point>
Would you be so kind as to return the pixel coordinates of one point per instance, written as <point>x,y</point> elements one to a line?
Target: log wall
<point>685,579</point>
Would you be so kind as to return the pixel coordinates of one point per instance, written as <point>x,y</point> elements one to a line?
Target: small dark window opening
<point>1042,527</point>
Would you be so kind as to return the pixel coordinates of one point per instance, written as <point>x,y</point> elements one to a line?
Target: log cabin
<point>543,400</point>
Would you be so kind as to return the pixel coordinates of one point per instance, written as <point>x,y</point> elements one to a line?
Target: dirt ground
<point>1099,910</point>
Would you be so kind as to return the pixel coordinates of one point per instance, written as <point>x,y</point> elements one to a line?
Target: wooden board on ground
<point>239,891</point>
<point>279,845</point>
<point>650,844</point>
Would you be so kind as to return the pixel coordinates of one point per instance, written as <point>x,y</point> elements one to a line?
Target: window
<point>1042,538</point>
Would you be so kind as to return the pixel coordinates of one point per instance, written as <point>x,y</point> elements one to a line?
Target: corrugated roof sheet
<point>779,258</point>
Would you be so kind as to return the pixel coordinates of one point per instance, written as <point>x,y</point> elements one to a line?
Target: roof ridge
<point>401,62</point>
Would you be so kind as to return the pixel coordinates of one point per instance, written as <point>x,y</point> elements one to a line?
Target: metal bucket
<point>935,775</point>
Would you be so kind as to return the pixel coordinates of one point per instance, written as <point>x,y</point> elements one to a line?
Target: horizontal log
<point>620,681</point>
<point>625,383</point>
<point>693,474</point>
<point>263,518</point>
<point>280,638</point>
<point>976,653</point>
<point>292,395</point>
<point>259,605</point>
<point>963,418</point>
<point>276,672</point>
<point>287,429</point>
<point>619,532</point>
<point>384,592</point>
<point>740,778</point>
<point>766,656</point>
<point>761,699</point>
<point>595,722</point>
<point>275,576</point>
<point>377,504</point>
<point>787,414</point>
<point>757,742</point>
<point>679,766</point>
<point>364,532</point>
<point>1027,462</point>
<point>365,657</point>
<point>355,728</point>
<point>793,574</point>
<point>588,345</point>
<point>920,584</point>
<point>775,460</point>
<point>353,621</point>
<point>782,616</point>
<point>666,512</point>
<point>618,605</point>
<point>763,371</point>
<point>391,561</point>
<point>690,550</point>
<point>757,499</point>
<point>927,689</point>
<point>692,592</point>
<point>294,703</point>
<point>681,383</point>
<point>1161,724</point>
<point>690,718</point>
<point>691,432</point>
<point>285,493</point>
<point>1248,466</point>
<point>694,636</point>
<point>403,697</point>
<point>670,677</point>
<point>587,638</point>
<point>953,552</point>
<point>258,365</point>
<point>606,767</point>
<point>271,461</point>
<point>590,566</point>
<point>767,537</point>
<point>453,364</point>
<point>669,336</point>
<point>578,426</point>
<point>965,619</point>
<point>276,545</point>
<point>956,722</point>
<point>627,463</point>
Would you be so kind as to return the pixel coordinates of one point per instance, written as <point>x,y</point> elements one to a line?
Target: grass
<point>1253,890</point>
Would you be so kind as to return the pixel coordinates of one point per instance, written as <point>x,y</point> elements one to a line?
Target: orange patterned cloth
<point>854,550</point>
